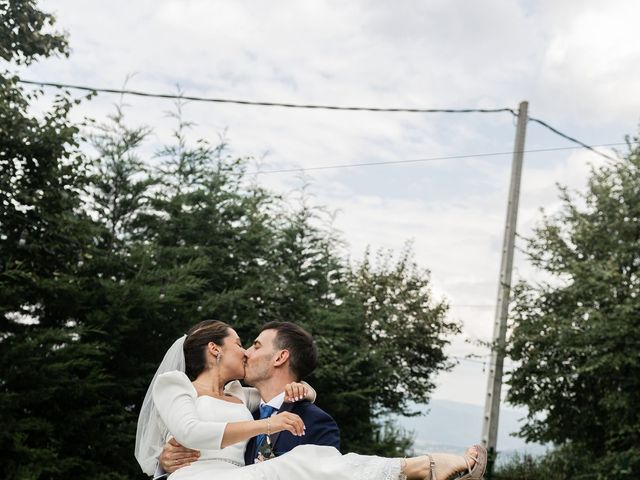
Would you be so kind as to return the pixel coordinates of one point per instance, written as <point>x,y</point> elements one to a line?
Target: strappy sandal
<point>475,473</point>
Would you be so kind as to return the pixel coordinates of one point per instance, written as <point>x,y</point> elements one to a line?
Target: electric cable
<point>564,135</point>
<point>418,160</point>
<point>334,107</point>
<point>266,104</point>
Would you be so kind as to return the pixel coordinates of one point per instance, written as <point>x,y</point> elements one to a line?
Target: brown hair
<point>303,353</point>
<point>195,345</point>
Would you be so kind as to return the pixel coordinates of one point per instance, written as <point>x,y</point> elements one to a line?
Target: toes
<point>472,453</point>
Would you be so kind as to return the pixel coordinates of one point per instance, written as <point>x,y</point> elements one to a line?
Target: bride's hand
<point>286,421</point>
<point>295,391</point>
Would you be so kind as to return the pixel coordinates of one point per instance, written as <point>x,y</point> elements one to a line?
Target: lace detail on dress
<point>369,467</point>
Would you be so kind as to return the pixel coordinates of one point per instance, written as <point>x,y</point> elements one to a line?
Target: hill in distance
<point>450,426</point>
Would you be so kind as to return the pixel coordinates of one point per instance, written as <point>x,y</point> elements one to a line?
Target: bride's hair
<point>195,345</point>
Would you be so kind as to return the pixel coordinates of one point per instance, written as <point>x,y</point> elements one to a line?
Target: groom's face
<point>259,358</point>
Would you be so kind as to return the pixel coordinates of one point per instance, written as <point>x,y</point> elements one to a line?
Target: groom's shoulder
<point>311,410</point>
<point>322,429</point>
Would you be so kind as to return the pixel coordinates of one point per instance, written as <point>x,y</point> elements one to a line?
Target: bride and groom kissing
<point>219,428</point>
<point>280,355</point>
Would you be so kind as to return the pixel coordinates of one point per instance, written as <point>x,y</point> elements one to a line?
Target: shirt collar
<point>276,402</point>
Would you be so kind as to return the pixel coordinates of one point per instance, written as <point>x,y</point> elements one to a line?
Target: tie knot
<point>266,410</point>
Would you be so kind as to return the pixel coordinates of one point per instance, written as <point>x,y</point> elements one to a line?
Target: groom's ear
<point>281,358</point>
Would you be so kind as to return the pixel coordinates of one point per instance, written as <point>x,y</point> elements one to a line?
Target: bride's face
<point>233,355</point>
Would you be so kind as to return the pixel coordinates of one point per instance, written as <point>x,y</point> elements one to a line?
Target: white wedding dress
<point>199,423</point>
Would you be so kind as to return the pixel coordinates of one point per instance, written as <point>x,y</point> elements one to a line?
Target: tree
<point>25,33</point>
<point>575,336</point>
<point>379,332</point>
<point>52,384</point>
<point>104,261</point>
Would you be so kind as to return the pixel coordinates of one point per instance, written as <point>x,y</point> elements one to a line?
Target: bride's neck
<point>211,381</point>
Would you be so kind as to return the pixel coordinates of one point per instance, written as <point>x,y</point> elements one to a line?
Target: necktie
<point>265,412</point>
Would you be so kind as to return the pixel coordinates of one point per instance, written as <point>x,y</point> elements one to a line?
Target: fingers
<point>287,421</point>
<point>174,447</point>
<point>183,457</point>
<point>288,392</point>
<point>170,465</point>
<point>295,392</point>
<point>294,424</point>
<point>175,456</point>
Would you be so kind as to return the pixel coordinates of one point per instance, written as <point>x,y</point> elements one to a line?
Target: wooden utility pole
<point>494,383</point>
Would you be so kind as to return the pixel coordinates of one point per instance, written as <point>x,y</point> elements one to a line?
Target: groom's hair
<point>303,353</point>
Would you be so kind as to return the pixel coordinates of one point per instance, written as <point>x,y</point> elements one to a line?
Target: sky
<point>576,63</point>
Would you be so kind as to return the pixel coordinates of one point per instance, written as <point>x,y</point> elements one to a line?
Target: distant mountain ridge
<point>452,426</point>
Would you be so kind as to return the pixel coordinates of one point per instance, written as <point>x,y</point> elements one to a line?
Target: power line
<point>322,107</point>
<point>429,159</point>
<point>564,135</point>
<point>266,104</point>
<point>468,305</point>
<point>484,363</point>
<point>468,359</point>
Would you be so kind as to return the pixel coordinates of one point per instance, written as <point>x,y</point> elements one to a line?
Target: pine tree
<point>52,383</point>
<point>104,261</point>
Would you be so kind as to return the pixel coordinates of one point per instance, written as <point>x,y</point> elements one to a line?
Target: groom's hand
<point>175,456</point>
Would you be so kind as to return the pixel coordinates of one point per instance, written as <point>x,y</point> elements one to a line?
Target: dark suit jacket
<point>321,429</point>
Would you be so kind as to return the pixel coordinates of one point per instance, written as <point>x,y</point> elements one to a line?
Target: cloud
<point>576,62</point>
<point>592,61</point>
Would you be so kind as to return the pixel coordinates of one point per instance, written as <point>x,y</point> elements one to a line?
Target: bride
<point>188,400</point>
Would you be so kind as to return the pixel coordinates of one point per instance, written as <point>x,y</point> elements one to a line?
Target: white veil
<point>151,433</point>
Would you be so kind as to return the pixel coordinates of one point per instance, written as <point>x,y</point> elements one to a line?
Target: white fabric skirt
<point>305,462</point>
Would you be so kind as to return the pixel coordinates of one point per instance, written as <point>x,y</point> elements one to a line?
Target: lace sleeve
<point>175,399</point>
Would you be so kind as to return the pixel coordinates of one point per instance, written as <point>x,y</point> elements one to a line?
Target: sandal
<point>475,473</point>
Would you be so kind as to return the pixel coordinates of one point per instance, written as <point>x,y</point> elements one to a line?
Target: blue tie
<point>265,412</point>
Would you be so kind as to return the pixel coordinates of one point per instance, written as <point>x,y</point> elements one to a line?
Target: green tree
<point>575,336</point>
<point>394,351</point>
<point>205,212</point>
<point>26,33</point>
<point>379,332</point>
<point>104,261</point>
<point>52,384</point>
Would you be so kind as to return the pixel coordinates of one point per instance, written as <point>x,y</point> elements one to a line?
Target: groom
<point>282,353</point>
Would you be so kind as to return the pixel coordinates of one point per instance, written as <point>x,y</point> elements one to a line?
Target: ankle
<point>416,468</point>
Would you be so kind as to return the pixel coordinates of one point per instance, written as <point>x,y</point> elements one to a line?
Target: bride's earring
<point>218,357</point>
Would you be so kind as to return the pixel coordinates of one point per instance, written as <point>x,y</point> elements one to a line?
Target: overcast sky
<point>576,62</point>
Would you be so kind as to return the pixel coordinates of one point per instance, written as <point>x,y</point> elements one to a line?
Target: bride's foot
<point>444,466</point>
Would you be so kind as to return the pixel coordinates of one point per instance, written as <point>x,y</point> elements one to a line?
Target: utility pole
<point>494,383</point>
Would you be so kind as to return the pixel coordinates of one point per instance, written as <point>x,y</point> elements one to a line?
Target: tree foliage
<point>106,258</point>
<point>575,337</point>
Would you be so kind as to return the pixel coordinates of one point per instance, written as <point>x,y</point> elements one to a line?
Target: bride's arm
<point>252,396</point>
<point>175,399</point>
